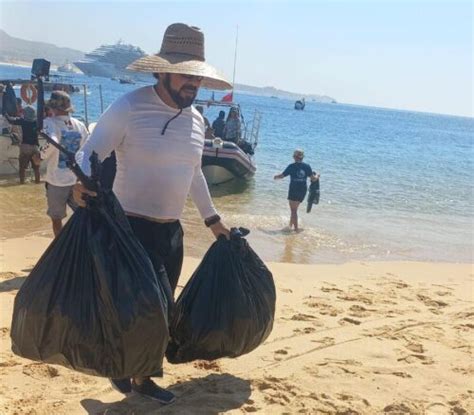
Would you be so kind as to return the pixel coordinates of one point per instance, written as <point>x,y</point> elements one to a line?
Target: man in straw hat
<point>158,139</point>
<point>298,172</point>
<point>71,134</point>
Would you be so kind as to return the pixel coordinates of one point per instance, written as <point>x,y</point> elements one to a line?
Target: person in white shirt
<point>71,134</point>
<point>158,139</point>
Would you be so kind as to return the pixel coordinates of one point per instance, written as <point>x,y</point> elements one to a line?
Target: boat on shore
<point>223,161</point>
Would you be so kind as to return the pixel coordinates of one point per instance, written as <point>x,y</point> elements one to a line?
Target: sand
<point>357,338</point>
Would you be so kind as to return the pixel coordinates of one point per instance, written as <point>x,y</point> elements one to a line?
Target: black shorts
<point>297,192</point>
<point>163,243</point>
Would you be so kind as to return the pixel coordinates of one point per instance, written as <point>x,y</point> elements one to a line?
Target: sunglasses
<point>192,77</point>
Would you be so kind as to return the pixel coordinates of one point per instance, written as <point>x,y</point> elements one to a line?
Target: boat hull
<point>216,174</point>
<point>225,162</point>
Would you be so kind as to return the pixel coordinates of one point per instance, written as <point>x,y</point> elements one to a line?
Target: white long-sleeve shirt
<point>155,172</point>
<point>71,134</point>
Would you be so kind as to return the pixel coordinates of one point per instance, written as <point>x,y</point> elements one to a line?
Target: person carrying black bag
<point>158,139</point>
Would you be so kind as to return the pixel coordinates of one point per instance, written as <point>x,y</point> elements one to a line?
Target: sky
<point>413,55</point>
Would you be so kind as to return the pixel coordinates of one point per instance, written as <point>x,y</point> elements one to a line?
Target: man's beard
<point>180,101</point>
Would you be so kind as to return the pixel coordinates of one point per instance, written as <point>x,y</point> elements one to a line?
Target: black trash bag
<point>227,307</point>
<point>93,302</point>
<point>313,195</point>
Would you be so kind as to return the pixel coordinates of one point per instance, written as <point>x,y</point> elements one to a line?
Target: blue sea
<point>395,185</point>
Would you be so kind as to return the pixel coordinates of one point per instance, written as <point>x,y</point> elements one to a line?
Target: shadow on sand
<point>11,284</point>
<point>211,395</point>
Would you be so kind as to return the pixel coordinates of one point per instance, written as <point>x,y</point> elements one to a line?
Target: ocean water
<point>395,185</point>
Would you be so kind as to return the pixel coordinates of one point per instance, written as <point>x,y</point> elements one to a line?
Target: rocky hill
<point>271,91</point>
<point>13,49</point>
<point>17,50</point>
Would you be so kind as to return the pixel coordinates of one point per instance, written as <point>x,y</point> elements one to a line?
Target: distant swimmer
<point>298,172</point>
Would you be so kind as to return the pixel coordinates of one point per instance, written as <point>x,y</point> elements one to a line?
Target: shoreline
<point>39,241</point>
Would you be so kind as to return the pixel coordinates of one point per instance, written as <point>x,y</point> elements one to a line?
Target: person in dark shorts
<point>29,142</point>
<point>299,173</point>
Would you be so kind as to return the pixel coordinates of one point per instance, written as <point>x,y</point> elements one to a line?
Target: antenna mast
<point>235,56</point>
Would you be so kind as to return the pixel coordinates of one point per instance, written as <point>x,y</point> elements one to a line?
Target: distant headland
<point>21,52</point>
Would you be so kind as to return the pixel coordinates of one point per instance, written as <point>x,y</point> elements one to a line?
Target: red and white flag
<point>228,97</point>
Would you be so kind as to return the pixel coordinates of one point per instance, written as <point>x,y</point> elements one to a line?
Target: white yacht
<point>110,61</point>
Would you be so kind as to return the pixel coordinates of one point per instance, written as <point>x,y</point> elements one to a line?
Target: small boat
<point>300,104</point>
<point>66,68</point>
<point>223,161</point>
<point>126,80</point>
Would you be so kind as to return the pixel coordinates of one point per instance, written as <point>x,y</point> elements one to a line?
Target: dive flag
<point>228,97</point>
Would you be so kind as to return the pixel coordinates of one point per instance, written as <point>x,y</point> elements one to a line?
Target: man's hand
<point>315,177</point>
<point>78,193</point>
<point>220,229</point>
<point>278,176</point>
<point>36,159</point>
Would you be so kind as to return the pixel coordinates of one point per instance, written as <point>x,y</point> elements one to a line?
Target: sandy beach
<point>357,338</point>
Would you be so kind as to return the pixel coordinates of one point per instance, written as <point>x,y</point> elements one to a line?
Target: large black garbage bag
<point>93,302</point>
<point>227,307</point>
<point>313,195</point>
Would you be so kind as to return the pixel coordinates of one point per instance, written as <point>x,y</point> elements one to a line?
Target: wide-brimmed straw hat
<point>182,52</point>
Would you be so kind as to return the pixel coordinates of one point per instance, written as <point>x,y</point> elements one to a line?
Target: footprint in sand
<point>40,371</point>
<point>464,314</point>
<point>208,365</point>
<point>429,302</point>
<point>358,298</point>
<point>443,293</point>
<point>276,390</point>
<point>469,370</point>
<point>4,332</point>
<point>415,357</point>
<point>325,341</point>
<point>348,320</point>
<point>251,408</point>
<point>303,317</point>
<point>9,363</point>
<point>306,330</point>
<point>392,282</point>
<point>360,311</point>
<point>330,290</point>
<point>323,307</point>
<point>389,372</point>
<point>415,347</point>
